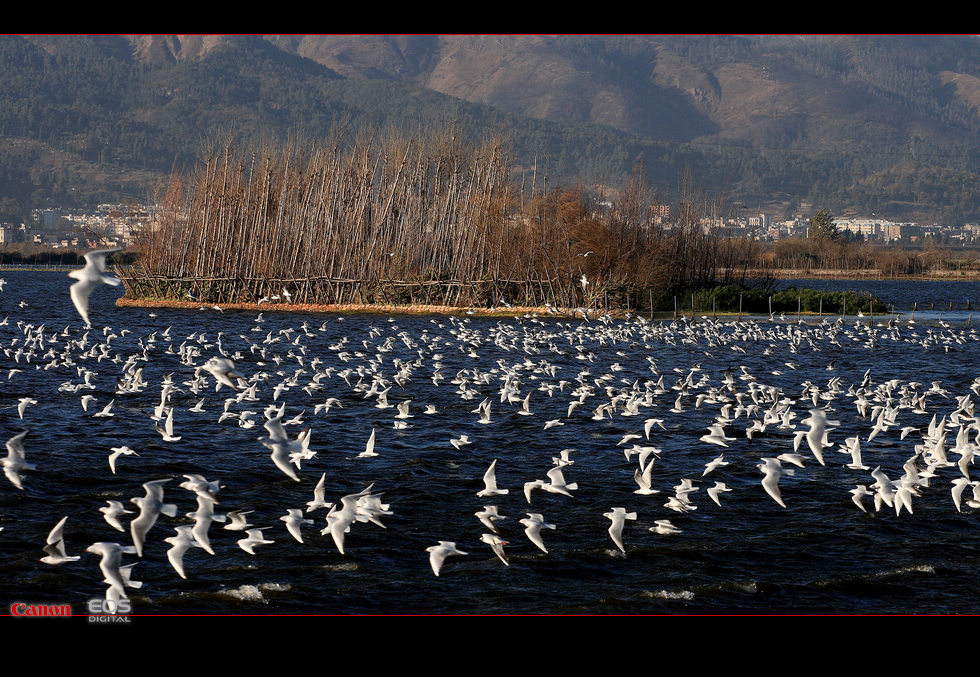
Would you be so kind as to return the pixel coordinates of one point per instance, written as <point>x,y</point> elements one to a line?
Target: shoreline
<point>416,309</point>
<point>421,309</point>
<point>785,274</point>
<point>872,274</point>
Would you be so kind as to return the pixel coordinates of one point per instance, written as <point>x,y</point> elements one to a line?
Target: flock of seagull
<point>570,370</point>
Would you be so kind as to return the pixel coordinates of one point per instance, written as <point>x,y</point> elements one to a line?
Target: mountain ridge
<point>849,122</point>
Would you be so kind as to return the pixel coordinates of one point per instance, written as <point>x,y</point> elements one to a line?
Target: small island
<point>433,223</point>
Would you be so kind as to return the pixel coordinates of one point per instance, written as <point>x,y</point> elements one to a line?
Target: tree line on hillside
<point>101,114</point>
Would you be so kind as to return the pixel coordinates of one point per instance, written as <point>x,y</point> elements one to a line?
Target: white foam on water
<point>346,566</point>
<point>915,568</point>
<point>686,595</point>
<point>247,593</point>
<point>254,593</point>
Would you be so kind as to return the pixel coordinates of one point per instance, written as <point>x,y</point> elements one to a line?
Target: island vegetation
<point>434,220</point>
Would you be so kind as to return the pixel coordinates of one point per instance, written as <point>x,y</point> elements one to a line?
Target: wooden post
<point>740,306</point>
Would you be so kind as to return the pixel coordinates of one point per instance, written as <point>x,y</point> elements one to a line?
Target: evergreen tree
<point>823,226</point>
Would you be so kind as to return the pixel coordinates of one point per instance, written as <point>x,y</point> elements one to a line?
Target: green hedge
<point>725,299</point>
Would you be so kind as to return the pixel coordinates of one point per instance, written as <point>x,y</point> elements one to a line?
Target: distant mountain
<point>851,124</point>
<point>767,91</point>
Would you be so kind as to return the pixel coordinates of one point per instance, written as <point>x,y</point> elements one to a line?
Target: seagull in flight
<point>438,553</point>
<point>490,482</point>
<point>90,277</point>
<point>15,461</point>
<point>618,516</point>
<point>55,548</point>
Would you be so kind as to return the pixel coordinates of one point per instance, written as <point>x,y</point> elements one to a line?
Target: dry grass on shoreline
<point>344,308</point>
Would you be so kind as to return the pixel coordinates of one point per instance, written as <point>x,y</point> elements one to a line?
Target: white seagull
<point>715,492</point>
<point>319,494</point>
<point>110,565</point>
<point>618,516</point>
<point>773,470</point>
<point>89,277</point>
<point>237,520</point>
<point>534,523</point>
<point>556,485</point>
<point>223,370</point>
<point>116,453</point>
<point>438,553</point>
<point>496,544</point>
<point>664,527</point>
<point>644,478</point>
<point>15,462</point>
<point>203,517</point>
<point>151,505</point>
<point>712,465</point>
<point>106,411</point>
<point>294,522</point>
<point>369,451</point>
<point>179,544</point>
<point>281,446</point>
<point>113,512</point>
<point>488,516</point>
<point>252,539</point>
<point>490,482</point>
<point>55,548</point>
<point>22,405</point>
<point>167,431</point>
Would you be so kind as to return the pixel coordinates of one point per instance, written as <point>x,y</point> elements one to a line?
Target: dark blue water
<point>819,554</point>
<point>930,300</point>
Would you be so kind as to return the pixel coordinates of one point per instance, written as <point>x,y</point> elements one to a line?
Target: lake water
<point>930,300</point>
<point>818,554</point>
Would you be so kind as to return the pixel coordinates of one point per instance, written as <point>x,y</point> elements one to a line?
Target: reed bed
<point>409,220</point>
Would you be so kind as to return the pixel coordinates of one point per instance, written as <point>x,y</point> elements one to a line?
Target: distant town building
<point>107,225</point>
<point>11,233</point>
